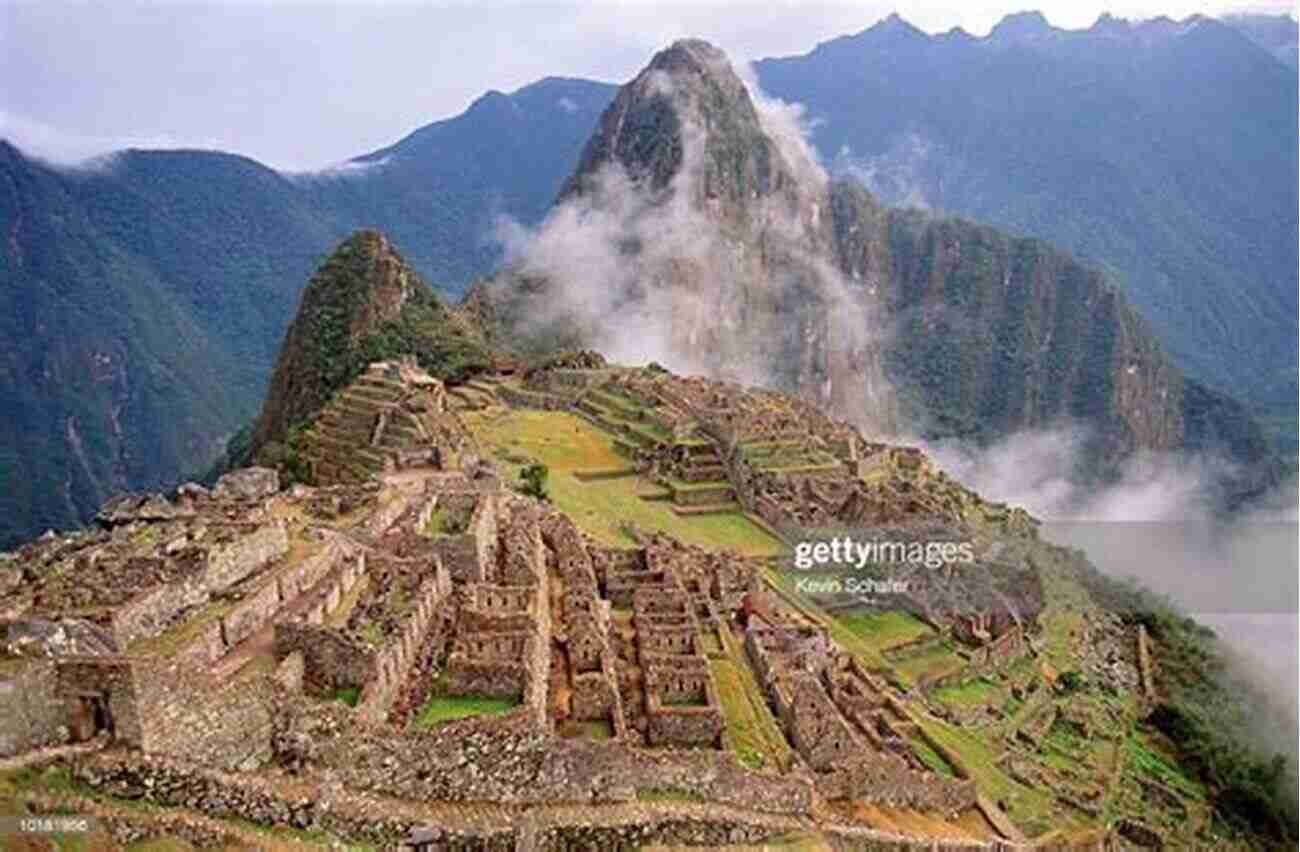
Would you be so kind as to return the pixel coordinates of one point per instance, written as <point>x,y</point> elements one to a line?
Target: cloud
<point>1237,575</point>
<point>705,283</point>
<point>61,148</point>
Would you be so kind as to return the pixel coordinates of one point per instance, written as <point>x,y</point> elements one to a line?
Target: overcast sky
<point>305,85</point>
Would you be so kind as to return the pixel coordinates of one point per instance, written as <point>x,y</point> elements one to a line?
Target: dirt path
<point>48,755</point>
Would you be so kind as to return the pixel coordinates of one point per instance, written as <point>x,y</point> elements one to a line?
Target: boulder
<point>249,483</point>
<point>41,637</point>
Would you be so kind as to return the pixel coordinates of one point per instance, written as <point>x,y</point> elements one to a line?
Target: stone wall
<point>1004,649</point>
<point>520,398</point>
<point>594,697</point>
<point>247,550</point>
<point>313,569</point>
<point>394,661</point>
<point>1147,679</point>
<point>32,714</point>
<point>527,764</point>
<point>112,678</point>
<point>496,678</point>
<point>250,614</point>
<point>154,610</point>
<point>380,822</point>
<point>207,645</point>
<point>223,728</point>
<point>240,551</point>
<point>469,556</point>
<point>331,660</point>
<point>289,673</point>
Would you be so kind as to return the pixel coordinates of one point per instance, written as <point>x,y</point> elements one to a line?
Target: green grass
<point>867,654</point>
<point>1026,806</point>
<point>1063,618</point>
<point>751,730</point>
<point>931,758</point>
<point>932,663</point>
<point>438,524</point>
<point>1144,759</point>
<point>444,708</point>
<point>884,630</point>
<point>349,695</point>
<point>566,443</point>
<point>972,693</point>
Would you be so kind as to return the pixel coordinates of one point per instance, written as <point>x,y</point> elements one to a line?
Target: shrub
<point>532,481</point>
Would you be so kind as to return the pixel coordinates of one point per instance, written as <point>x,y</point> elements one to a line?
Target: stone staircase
<point>476,395</point>
<point>363,429</point>
<point>624,418</point>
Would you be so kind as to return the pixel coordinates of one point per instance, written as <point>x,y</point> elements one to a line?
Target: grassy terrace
<point>978,692</point>
<point>931,758</point>
<point>442,707</point>
<point>786,455</point>
<point>885,630</point>
<point>752,731</point>
<point>1064,615</point>
<point>1029,808</point>
<point>866,652</point>
<point>934,662</point>
<point>567,444</point>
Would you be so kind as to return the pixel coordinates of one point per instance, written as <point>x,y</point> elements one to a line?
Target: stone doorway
<point>90,716</point>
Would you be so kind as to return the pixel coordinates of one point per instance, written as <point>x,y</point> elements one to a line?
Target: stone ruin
<point>304,630</point>
<point>394,416</point>
<point>845,723</point>
<point>115,629</point>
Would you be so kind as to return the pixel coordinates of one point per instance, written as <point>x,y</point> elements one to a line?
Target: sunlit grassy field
<point>885,630</point>
<point>567,444</point>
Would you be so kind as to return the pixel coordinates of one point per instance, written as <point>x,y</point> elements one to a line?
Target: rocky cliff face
<point>699,232</point>
<point>694,234</point>
<point>994,333</point>
<point>363,285</point>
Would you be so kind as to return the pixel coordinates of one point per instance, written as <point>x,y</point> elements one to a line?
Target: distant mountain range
<point>144,294</point>
<point>1278,34</point>
<point>1164,151</point>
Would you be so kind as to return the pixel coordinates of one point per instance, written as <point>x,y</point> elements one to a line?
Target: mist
<point>745,293</point>
<point>673,277</point>
<point>1238,575</point>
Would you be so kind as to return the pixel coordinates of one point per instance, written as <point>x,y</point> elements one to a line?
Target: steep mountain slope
<point>695,231</point>
<point>1164,151</point>
<point>363,304</point>
<point>111,376</point>
<point>438,192</point>
<point>1278,34</point>
<point>194,260</point>
<point>145,295</point>
<point>948,676</point>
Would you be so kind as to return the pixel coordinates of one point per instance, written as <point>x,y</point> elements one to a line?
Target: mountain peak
<point>690,54</point>
<point>687,104</point>
<point>1108,24</point>
<point>1020,25</point>
<point>360,286</point>
<point>896,26</point>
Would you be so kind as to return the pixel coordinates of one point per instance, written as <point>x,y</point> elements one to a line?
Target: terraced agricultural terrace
<point>412,646</point>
